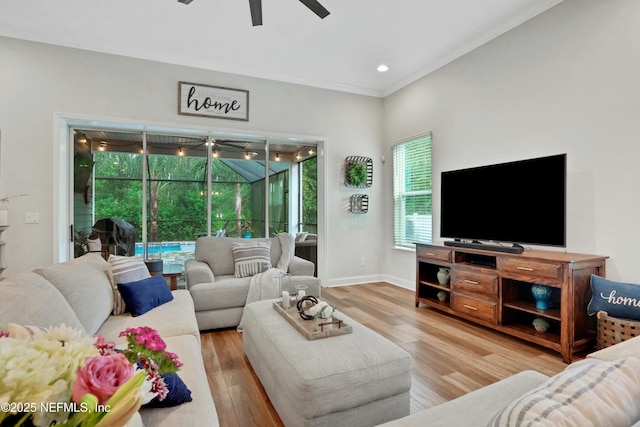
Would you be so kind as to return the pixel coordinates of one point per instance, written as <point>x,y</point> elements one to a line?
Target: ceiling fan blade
<point>256,12</point>
<point>185,1</point>
<point>316,7</point>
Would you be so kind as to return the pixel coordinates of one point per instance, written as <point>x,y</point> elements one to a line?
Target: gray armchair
<point>219,297</point>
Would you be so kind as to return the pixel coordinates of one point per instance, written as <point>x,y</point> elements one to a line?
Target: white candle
<point>286,300</point>
<point>301,294</point>
<point>3,218</point>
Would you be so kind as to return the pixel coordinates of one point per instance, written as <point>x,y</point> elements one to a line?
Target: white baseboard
<point>358,280</point>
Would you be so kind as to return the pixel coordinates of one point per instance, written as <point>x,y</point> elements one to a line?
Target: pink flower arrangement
<point>102,376</point>
<point>145,343</point>
<point>146,349</point>
<point>146,337</point>
<point>104,347</point>
<point>65,367</point>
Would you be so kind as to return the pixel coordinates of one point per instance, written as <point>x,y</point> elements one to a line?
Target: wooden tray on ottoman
<point>316,328</point>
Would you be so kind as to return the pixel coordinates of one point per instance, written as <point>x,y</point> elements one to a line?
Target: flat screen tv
<point>521,202</point>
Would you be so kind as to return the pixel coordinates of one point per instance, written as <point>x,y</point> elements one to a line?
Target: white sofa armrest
<point>301,267</point>
<point>630,347</point>
<point>197,272</point>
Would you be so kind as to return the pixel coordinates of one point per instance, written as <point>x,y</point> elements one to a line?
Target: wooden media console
<point>493,289</point>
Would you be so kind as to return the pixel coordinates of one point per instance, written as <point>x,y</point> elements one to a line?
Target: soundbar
<point>515,249</point>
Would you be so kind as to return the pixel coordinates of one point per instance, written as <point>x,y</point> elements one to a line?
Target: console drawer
<point>484,310</point>
<point>434,252</point>
<point>533,268</point>
<point>471,281</point>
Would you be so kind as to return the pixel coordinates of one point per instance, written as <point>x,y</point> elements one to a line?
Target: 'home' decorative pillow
<point>251,258</point>
<point>125,269</point>
<point>616,298</point>
<point>591,392</point>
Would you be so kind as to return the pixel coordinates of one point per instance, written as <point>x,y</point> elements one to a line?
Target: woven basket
<point>613,330</point>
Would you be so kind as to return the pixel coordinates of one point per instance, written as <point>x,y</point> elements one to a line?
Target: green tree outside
<point>176,193</point>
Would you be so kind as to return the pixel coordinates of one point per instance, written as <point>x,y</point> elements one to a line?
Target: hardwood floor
<point>451,357</point>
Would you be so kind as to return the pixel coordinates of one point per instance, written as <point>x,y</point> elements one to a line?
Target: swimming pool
<point>165,247</point>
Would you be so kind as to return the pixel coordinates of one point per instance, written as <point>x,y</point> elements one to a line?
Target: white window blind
<point>412,212</point>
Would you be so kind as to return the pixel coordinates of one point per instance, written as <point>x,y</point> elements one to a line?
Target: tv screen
<point>520,202</point>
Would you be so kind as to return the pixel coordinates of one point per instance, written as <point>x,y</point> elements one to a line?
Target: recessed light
<point>382,68</point>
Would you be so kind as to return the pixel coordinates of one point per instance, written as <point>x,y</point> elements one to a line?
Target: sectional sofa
<point>602,390</point>
<point>79,294</point>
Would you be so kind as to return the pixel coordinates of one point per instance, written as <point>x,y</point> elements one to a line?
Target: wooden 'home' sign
<point>213,101</point>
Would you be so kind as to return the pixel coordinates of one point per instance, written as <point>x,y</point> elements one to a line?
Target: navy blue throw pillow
<point>146,294</point>
<point>616,298</point>
<point>178,392</point>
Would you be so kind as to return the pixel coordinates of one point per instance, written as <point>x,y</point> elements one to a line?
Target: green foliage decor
<point>356,174</point>
<point>246,227</point>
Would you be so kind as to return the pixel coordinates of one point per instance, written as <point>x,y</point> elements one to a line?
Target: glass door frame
<point>63,172</point>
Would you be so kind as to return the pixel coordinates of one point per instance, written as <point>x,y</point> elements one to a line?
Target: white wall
<point>566,81</point>
<point>40,80</point>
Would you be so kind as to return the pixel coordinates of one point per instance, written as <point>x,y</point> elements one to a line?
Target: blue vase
<point>542,294</point>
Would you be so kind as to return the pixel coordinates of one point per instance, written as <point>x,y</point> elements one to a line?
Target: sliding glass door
<point>172,189</point>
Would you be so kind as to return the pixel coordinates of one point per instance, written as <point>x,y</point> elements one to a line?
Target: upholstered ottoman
<point>357,379</point>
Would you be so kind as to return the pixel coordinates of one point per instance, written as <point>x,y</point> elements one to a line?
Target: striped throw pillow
<point>591,392</point>
<point>251,258</point>
<point>125,269</point>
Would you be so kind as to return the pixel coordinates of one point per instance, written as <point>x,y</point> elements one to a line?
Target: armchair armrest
<point>197,272</point>
<point>301,267</point>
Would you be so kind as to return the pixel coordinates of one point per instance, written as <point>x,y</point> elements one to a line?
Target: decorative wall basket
<point>359,203</point>
<point>358,171</point>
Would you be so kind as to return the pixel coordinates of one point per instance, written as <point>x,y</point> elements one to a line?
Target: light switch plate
<point>32,218</point>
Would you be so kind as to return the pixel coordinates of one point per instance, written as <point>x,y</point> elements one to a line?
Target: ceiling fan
<point>256,9</point>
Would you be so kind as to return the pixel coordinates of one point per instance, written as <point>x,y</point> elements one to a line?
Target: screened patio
<point>173,188</point>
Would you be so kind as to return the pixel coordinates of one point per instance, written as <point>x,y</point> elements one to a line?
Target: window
<point>412,211</point>
<point>183,173</point>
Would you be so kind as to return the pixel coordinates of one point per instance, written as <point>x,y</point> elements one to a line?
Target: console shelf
<point>493,288</point>
<point>529,307</point>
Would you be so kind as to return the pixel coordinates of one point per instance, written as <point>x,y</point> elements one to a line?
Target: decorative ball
<point>540,324</point>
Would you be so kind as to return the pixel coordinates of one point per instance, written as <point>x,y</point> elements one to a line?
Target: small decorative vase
<point>542,294</point>
<point>442,296</point>
<point>540,324</point>
<point>443,275</point>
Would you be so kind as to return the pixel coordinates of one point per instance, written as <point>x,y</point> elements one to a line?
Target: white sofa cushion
<point>201,411</point>
<point>225,292</point>
<point>588,393</point>
<point>29,299</point>
<point>176,317</point>
<point>476,408</point>
<point>85,284</point>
